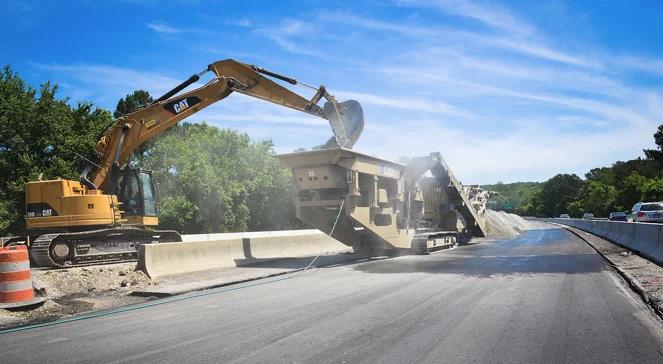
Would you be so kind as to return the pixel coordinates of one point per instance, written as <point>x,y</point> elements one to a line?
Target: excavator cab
<point>136,191</point>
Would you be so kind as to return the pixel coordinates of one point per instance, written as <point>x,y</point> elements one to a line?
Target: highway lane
<point>545,296</point>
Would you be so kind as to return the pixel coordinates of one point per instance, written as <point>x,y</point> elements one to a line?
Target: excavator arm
<point>132,130</point>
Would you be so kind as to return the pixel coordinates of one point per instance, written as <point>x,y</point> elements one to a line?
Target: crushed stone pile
<point>503,225</point>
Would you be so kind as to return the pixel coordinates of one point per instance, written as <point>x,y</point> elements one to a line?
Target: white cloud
<point>160,27</point>
<point>226,53</point>
<point>289,129</point>
<point>611,111</point>
<point>374,24</point>
<point>542,52</point>
<point>294,47</point>
<point>241,22</point>
<point>491,15</point>
<point>529,45</point>
<point>450,60</point>
<point>407,103</point>
<point>296,28</point>
<point>642,64</point>
<point>479,157</point>
<point>106,84</point>
<point>166,29</point>
<point>263,117</point>
<point>295,36</point>
<point>459,37</point>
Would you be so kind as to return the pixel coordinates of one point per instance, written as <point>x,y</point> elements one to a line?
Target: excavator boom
<point>132,130</point>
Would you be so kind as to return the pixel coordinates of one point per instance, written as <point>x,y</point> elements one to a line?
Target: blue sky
<point>506,91</point>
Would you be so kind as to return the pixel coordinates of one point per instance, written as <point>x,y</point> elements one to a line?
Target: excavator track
<point>79,249</point>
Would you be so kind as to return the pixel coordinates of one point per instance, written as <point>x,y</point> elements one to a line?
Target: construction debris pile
<point>499,224</point>
<point>503,225</point>
<point>115,277</point>
<point>76,290</point>
<point>478,196</point>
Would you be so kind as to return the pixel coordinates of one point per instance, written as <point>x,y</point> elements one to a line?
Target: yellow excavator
<point>113,208</point>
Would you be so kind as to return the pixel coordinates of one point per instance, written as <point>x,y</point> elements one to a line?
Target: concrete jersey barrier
<point>644,238</point>
<point>213,251</point>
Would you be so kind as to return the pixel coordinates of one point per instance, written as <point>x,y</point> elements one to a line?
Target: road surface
<point>545,296</point>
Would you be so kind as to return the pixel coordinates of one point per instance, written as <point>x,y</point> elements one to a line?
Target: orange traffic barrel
<point>16,278</point>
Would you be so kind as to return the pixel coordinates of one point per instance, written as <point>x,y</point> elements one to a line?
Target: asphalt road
<point>543,297</point>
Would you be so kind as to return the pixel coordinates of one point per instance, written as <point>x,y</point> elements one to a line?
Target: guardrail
<point>643,238</point>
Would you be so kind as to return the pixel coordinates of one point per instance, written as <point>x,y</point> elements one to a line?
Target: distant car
<point>647,212</point>
<point>618,216</point>
<point>564,216</point>
<point>588,216</point>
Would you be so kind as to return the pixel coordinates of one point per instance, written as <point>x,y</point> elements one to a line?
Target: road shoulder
<point>642,275</point>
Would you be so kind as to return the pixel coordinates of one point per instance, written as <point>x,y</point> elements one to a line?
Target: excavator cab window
<point>149,197</point>
<point>135,190</point>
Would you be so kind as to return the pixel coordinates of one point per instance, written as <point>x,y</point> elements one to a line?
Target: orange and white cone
<point>16,278</point>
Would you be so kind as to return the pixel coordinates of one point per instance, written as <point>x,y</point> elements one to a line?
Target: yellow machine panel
<point>141,220</point>
<point>64,203</point>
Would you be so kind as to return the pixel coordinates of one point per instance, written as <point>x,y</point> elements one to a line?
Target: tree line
<point>602,191</point>
<point>209,179</point>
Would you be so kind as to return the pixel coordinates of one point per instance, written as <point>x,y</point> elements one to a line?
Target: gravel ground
<point>645,276</point>
<point>77,290</point>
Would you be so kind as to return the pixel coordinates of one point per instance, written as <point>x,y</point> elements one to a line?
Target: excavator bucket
<point>346,119</point>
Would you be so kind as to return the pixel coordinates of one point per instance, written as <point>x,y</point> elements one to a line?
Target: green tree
<point>177,213</point>
<point>268,189</point>
<point>40,136</point>
<point>653,190</point>
<point>598,197</point>
<point>132,102</point>
<point>558,193</point>
<point>603,175</point>
<point>644,167</point>
<point>633,189</point>
<point>5,217</point>
<point>657,154</point>
<point>217,180</point>
<point>514,197</point>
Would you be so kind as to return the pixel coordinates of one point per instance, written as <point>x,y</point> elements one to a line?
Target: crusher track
<point>424,243</point>
<point>111,245</point>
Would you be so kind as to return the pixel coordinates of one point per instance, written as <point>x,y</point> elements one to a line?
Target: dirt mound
<point>64,282</point>
<point>503,225</point>
<point>76,290</point>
